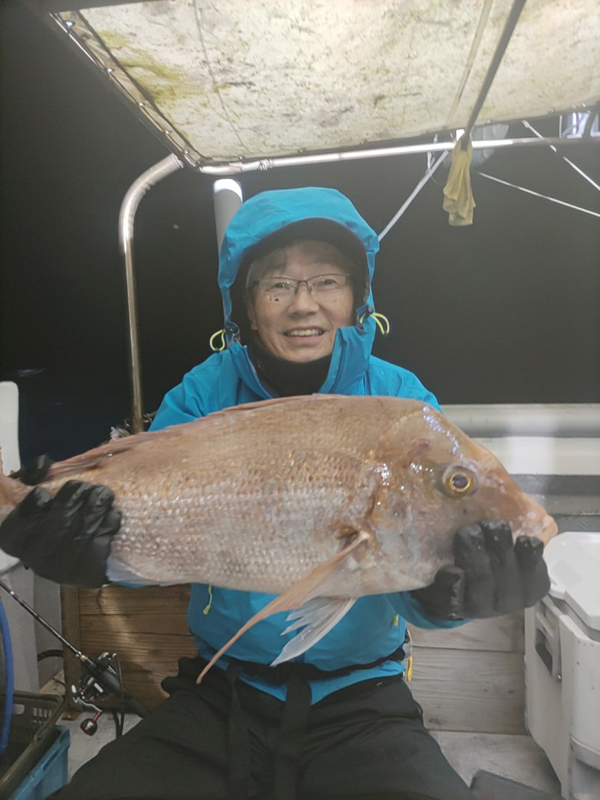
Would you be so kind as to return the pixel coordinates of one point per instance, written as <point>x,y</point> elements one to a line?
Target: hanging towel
<point>458,196</point>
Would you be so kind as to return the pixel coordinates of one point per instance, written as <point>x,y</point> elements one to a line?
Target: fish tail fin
<point>11,493</point>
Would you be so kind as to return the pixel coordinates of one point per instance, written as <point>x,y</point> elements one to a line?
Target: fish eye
<point>458,481</point>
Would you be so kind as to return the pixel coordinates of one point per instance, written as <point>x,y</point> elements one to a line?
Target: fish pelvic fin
<point>320,618</point>
<point>316,618</point>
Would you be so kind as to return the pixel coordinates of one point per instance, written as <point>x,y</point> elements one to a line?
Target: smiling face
<point>300,327</point>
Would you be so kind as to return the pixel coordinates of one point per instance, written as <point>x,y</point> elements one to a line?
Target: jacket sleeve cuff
<point>412,611</point>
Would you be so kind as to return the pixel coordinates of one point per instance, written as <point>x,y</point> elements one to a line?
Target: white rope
<point>564,158</point>
<point>537,194</point>
<point>483,20</point>
<point>428,174</point>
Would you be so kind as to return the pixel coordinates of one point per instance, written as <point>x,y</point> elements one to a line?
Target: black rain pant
<point>224,740</point>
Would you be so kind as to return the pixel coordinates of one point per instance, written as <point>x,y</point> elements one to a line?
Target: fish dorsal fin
<point>258,405</point>
<point>94,458</point>
<point>301,592</point>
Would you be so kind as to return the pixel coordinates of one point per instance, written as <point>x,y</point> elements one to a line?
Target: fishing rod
<point>100,681</point>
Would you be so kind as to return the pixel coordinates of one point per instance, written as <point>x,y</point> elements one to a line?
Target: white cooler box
<point>562,665</point>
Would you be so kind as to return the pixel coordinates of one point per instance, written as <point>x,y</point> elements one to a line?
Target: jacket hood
<point>270,213</point>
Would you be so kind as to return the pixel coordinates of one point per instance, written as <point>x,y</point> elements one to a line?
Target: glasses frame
<point>307,281</point>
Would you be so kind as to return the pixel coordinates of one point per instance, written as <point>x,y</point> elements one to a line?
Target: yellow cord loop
<point>208,606</point>
<point>380,319</point>
<point>213,347</point>
<point>408,651</point>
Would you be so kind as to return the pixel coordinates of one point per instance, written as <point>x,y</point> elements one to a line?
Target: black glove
<point>35,472</point>
<point>490,576</point>
<point>66,538</point>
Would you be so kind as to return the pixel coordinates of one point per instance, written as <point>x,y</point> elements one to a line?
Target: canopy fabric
<point>238,80</point>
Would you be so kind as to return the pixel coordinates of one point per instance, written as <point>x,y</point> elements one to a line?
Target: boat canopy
<point>230,80</point>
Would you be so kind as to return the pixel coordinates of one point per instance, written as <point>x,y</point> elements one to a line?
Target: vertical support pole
<point>129,207</point>
<point>227,198</point>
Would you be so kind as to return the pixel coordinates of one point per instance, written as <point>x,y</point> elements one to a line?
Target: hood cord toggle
<point>216,348</point>
<point>230,328</point>
<point>380,319</point>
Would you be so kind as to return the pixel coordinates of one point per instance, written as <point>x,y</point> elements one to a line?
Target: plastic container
<point>33,732</point>
<point>51,772</point>
<point>562,665</point>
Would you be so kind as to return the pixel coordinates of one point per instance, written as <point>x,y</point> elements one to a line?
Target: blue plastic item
<point>9,688</point>
<point>50,773</point>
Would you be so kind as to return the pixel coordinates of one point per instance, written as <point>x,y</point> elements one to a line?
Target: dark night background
<point>505,311</point>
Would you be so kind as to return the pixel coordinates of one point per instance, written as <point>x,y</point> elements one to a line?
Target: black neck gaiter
<point>287,378</point>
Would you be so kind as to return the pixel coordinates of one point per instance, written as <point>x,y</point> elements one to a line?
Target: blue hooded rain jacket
<point>375,626</point>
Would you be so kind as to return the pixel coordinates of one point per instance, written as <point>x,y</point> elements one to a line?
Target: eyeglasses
<point>279,288</point>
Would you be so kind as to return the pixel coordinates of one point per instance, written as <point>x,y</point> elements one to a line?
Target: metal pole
<point>509,28</point>
<point>236,167</point>
<point>564,158</point>
<point>129,207</point>
<point>428,174</point>
<point>227,198</point>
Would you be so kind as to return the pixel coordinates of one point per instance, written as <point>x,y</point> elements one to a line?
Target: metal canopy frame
<point>238,167</point>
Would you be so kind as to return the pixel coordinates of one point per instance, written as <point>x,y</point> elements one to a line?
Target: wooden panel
<point>146,627</point>
<point>169,624</point>
<point>503,634</point>
<point>151,600</point>
<point>470,690</point>
<point>142,648</point>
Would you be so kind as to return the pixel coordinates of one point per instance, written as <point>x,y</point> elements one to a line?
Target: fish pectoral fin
<point>316,618</point>
<point>312,585</point>
<point>118,572</point>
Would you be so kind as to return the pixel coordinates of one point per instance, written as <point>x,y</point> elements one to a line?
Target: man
<point>295,270</point>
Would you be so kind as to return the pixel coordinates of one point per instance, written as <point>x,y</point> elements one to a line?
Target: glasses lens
<point>328,283</point>
<point>277,287</point>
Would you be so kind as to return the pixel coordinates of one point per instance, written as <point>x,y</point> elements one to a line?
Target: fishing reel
<point>98,681</point>
<point>93,687</point>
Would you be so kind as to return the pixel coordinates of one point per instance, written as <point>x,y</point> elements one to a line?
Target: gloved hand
<point>66,538</point>
<point>490,575</point>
